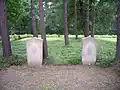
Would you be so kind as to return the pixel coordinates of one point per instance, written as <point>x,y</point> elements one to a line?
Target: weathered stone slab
<point>34,52</point>
<point>88,51</point>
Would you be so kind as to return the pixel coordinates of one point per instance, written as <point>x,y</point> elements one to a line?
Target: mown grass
<point>61,54</point>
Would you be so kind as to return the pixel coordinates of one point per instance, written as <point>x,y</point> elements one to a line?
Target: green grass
<point>61,54</point>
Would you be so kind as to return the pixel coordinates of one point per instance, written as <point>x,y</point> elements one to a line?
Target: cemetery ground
<point>59,53</point>
<point>61,77</point>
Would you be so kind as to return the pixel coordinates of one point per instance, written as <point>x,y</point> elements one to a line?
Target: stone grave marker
<point>34,52</point>
<point>88,51</point>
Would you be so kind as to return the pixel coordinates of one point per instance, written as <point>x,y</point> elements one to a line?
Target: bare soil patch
<point>63,77</point>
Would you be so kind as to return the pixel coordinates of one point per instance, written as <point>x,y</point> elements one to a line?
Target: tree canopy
<point>19,16</point>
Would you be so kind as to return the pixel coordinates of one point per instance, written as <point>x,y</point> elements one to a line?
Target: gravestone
<point>34,52</point>
<point>88,51</point>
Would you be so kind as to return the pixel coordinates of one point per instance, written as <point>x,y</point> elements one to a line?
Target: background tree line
<point>19,16</point>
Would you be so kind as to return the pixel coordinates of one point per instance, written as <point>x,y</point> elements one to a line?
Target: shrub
<point>74,61</point>
<point>18,37</point>
<point>11,60</point>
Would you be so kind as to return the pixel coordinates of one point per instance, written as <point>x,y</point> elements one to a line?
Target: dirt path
<point>59,78</point>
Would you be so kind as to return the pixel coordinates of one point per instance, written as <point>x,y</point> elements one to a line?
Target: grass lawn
<point>60,54</point>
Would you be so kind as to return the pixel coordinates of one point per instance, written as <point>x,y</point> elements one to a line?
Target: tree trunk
<point>82,14</point>
<point>86,27</point>
<point>4,31</point>
<point>93,23</point>
<point>33,19</point>
<point>58,35</point>
<point>118,31</point>
<point>43,31</point>
<point>65,24</point>
<point>0,32</point>
<point>75,22</point>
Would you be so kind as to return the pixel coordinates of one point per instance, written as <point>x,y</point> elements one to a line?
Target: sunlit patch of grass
<point>108,39</point>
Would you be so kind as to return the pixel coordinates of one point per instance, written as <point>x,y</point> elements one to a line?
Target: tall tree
<point>75,21</point>
<point>86,23</point>
<point>93,22</point>
<point>92,5</point>
<point>4,31</point>
<point>0,32</point>
<point>65,24</point>
<point>33,19</point>
<point>43,31</point>
<point>118,31</point>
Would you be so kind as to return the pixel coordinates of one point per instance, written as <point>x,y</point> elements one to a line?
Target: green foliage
<point>15,37</point>
<point>18,37</point>
<point>19,16</point>
<point>12,60</point>
<point>105,18</point>
<point>106,51</point>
